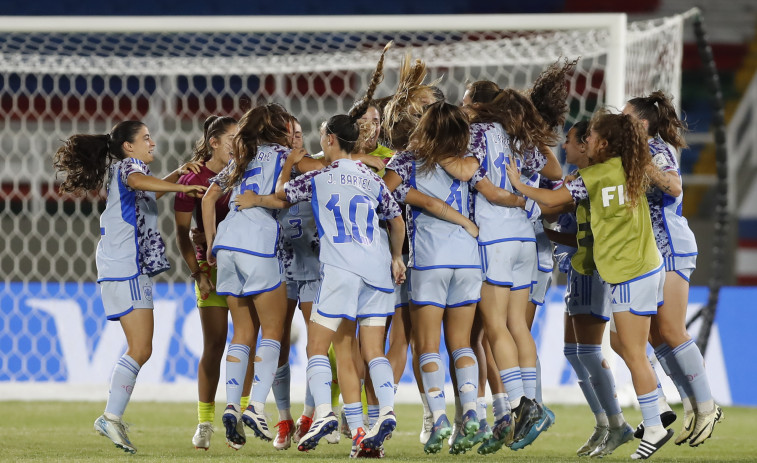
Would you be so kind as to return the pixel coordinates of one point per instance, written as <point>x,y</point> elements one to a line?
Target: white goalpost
<point>66,75</point>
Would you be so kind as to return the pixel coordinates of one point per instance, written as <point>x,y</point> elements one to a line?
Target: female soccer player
<point>616,223</point>
<point>446,280</point>
<point>348,200</point>
<point>249,271</point>
<point>507,125</point>
<point>587,310</point>
<point>131,250</point>
<point>677,352</point>
<point>213,151</point>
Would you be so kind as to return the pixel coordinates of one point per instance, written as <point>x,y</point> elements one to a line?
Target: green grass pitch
<point>62,431</point>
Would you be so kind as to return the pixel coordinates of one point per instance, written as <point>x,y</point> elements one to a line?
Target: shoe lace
<point>285,427</point>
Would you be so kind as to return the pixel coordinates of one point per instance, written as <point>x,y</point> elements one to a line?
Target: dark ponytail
<point>85,159</point>
<point>549,94</point>
<point>658,110</point>
<point>346,130</point>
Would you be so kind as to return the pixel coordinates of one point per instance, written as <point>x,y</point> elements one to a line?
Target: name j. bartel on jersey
<point>348,179</point>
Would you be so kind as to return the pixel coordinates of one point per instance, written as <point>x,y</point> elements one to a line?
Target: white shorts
<point>241,274</point>
<point>344,294</point>
<point>509,263</point>
<point>121,297</point>
<point>539,289</point>
<point>587,295</point>
<point>640,296</point>
<point>445,287</point>
<point>303,290</point>
<point>682,265</point>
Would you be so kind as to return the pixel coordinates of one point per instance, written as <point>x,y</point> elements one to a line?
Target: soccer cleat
<point>545,421</point>
<point>426,426</point>
<point>232,421</point>
<point>345,427</point>
<point>380,431</point>
<point>115,430</point>
<point>689,420</point>
<point>491,445</point>
<point>503,430</point>
<point>615,438</point>
<point>440,431</point>
<point>667,417</point>
<point>453,435</point>
<point>526,414</point>
<point>467,430</point>
<point>705,424</point>
<point>201,439</point>
<point>646,448</point>
<point>301,427</point>
<point>595,440</point>
<point>256,421</point>
<point>283,438</point>
<point>483,434</point>
<point>358,450</point>
<point>318,429</point>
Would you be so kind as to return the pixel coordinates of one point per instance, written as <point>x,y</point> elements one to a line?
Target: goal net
<point>57,80</point>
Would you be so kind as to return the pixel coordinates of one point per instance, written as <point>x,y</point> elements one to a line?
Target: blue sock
<point>601,378</point>
<point>513,382</point>
<point>538,381</point>
<point>265,370</point>
<point>690,360</point>
<point>500,405</point>
<point>650,412</point>
<point>670,366</point>
<point>433,380</point>
<point>373,414</point>
<point>235,372</point>
<point>354,414</point>
<point>281,383</point>
<point>529,381</point>
<point>467,379</point>
<point>121,385</point>
<point>383,383</point>
<point>319,380</point>
<point>571,353</point>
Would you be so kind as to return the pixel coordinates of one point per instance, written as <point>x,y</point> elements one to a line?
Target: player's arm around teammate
<point>131,249</point>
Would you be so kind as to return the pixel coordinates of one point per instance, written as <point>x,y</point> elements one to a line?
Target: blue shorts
<point>587,295</point>
<point>303,290</point>
<point>641,295</point>
<point>344,294</point>
<point>241,274</point>
<point>509,263</point>
<point>121,297</point>
<point>445,287</point>
<point>539,289</point>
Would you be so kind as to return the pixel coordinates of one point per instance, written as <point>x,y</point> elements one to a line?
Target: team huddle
<point>417,216</point>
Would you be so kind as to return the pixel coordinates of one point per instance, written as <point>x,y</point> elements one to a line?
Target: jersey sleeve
<point>182,201</point>
<point>402,164</point>
<point>662,156</point>
<point>132,166</point>
<point>388,207</point>
<point>222,178</point>
<point>577,189</point>
<point>301,188</point>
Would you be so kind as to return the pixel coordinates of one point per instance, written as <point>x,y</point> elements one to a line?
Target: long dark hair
<point>549,94</point>
<point>441,133</point>
<point>214,126</point>
<point>627,139</point>
<point>85,159</point>
<point>346,129</point>
<point>514,111</point>
<point>259,126</point>
<point>359,108</point>
<point>658,110</point>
